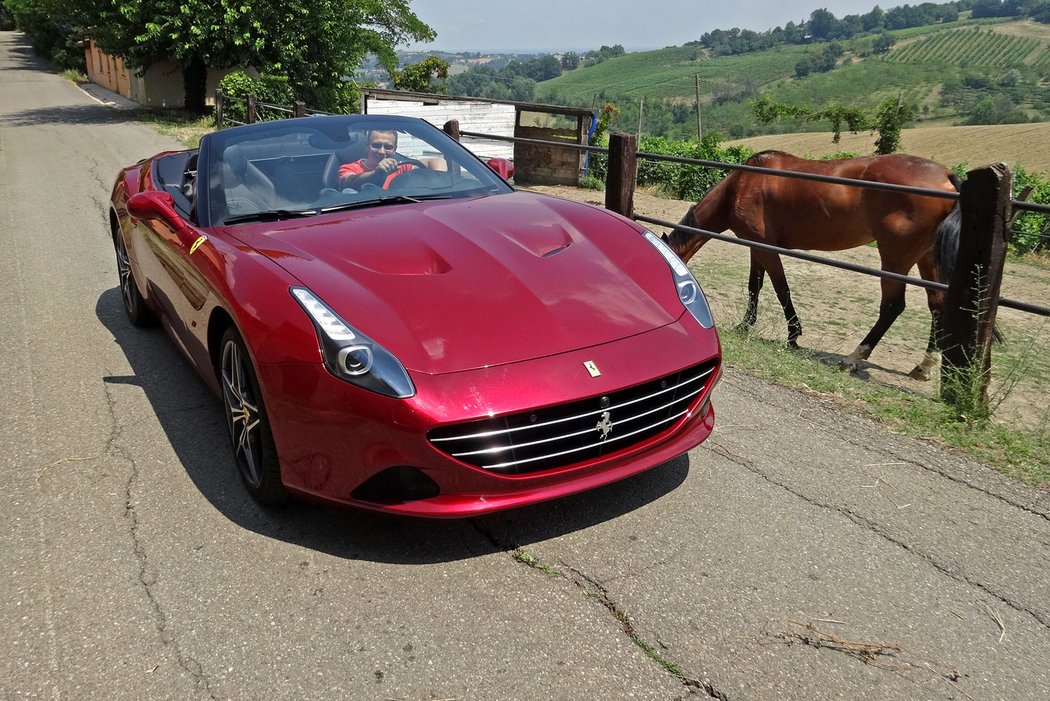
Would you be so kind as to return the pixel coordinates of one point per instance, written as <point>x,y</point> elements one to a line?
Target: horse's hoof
<point>920,373</point>
<point>792,344</point>
<point>848,365</point>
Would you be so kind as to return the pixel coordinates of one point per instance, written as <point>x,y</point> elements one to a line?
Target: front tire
<point>139,313</point>
<point>250,436</point>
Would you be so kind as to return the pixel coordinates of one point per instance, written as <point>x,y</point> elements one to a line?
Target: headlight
<point>352,356</point>
<point>688,288</point>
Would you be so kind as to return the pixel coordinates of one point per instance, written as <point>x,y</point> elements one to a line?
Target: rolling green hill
<point>980,72</point>
<point>670,73</point>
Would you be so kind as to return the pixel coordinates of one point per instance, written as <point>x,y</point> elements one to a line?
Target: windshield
<point>314,165</point>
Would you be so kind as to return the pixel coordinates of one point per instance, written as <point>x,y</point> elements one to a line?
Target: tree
<point>1011,79</point>
<point>804,67</point>
<point>570,60</point>
<point>984,112</point>
<point>873,20</point>
<point>419,76</point>
<point>828,57</point>
<point>522,89</point>
<point>822,24</point>
<point>882,43</point>
<point>54,26</point>
<point>542,68</point>
<point>313,42</point>
<point>892,114</point>
<point>990,8</point>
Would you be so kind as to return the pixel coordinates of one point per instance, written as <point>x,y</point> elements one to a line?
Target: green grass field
<point>671,73</point>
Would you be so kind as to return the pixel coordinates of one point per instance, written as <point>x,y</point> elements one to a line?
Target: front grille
<point>571,433</point>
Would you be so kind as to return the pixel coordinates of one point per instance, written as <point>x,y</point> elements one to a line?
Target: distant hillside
<point>978,71</point>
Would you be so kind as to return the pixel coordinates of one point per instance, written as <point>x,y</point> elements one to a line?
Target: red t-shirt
<point>357,167</point>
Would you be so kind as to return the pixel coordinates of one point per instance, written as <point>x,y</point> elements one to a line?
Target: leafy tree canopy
<point>54,26</point>
<point>315,43</point>
<point>420,77</point>
<point>888,121</point>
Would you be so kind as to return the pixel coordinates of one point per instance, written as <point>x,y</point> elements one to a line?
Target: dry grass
<point>1024,144</point>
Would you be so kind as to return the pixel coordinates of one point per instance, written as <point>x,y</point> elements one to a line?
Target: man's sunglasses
<point>379,146</point>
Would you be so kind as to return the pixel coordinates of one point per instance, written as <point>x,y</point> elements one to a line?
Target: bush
<point>678,180</point>
<point>237,86</point>
<point>683,181</point>
<point>1031,231</point>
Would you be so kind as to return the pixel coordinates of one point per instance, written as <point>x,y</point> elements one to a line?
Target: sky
<point>548,26</point>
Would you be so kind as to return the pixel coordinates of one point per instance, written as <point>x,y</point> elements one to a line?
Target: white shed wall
<point>484,118</point>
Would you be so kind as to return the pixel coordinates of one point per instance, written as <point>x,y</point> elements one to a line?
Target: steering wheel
<point>421,178</point>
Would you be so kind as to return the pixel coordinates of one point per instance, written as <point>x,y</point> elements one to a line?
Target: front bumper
<point>334,440</point>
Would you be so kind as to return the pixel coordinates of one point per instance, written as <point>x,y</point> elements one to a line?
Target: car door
<point>169,253</point>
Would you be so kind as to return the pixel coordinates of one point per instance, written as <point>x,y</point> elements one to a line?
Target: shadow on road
<point>68,114</point>
<point>20,53</point>
<point>192,419</point>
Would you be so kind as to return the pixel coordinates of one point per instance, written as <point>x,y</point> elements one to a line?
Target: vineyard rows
<point>975,47</point>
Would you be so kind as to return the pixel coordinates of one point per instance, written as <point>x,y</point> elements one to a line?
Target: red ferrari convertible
<point>428,342</point>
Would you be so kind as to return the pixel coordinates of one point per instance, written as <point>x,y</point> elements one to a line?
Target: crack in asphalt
<point>101,204</point>
<point>186,662</point>
<point>594,589</point>
<point>960,481</point>
<point>847,437</point>
<point>875,528</point>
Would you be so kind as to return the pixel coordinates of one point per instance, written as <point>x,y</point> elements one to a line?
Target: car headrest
<point>235,158</point>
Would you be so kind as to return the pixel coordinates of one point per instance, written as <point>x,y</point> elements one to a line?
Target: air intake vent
<point>571,433</point>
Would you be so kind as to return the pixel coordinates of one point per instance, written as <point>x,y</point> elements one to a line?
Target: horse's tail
<point>947,246</point>
<point>947,242</point>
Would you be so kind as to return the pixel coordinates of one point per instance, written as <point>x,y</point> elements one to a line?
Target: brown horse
<point>799,213</point>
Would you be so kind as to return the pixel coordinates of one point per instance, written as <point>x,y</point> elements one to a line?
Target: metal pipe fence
<point>844,265</point>
<point>722,165</point>
<point>299,109</point>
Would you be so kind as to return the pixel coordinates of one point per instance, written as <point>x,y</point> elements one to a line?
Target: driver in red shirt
<point>378,167</point>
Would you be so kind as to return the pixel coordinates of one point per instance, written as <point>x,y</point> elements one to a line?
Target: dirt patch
<point>838,307</point>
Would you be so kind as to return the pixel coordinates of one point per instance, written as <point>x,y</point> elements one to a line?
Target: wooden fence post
<point>252,115</point>
<point>451,128</point>
<point>972,299</point>
<point>622,174</point>
<point>298,108</point>
<point>218,108</point>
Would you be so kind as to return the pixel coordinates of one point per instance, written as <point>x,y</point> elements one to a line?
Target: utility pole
<point>641,106</point>
<point>699,131</point>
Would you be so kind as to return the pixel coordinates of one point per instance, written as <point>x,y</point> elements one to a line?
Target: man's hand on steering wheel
<point>387,166</point>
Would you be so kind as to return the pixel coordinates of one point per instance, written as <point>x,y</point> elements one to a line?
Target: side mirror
<point>503,167</point>
<point>152,205</point>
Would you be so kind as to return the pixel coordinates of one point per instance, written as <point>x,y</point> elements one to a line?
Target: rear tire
<point>249,427</point>
<point>139,313</point>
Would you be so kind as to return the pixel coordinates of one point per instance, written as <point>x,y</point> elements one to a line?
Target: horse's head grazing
<point>683,241</point>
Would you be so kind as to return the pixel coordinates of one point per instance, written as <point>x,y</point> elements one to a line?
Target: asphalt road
<point>799,554</point>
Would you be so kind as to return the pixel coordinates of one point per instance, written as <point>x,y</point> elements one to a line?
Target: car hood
<point>459,284</point>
